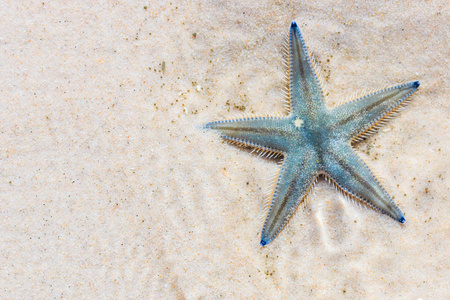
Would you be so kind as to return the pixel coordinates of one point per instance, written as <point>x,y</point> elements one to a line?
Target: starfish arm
<point>297,175</point>
<point>354,177</point>
<point>305,90</point>
<point>266,133</point>
<point>361,116</point>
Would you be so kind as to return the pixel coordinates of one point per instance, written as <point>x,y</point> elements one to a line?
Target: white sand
<point>110,188</point>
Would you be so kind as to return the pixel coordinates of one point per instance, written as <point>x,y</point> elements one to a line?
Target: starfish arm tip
<point>207,125</point>
<point>293,25</point>
<point>402,220</point>
<point>263,242</point>
<point>416,84</point>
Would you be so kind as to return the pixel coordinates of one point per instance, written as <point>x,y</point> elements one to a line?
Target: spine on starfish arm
<point>252,132</point>
<point>359,200</point>
<point>400,100</point>
<point>309,56</point>
<point>362,117</point>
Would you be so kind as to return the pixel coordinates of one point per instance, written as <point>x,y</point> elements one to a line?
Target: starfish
<point>316,141</point>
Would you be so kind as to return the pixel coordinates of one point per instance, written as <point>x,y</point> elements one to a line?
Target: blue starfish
<point>316,140</point>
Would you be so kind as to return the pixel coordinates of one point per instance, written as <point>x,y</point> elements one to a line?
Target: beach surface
<point>111,188</point>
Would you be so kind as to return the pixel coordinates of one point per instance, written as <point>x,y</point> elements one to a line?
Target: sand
<point>110,188</point>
